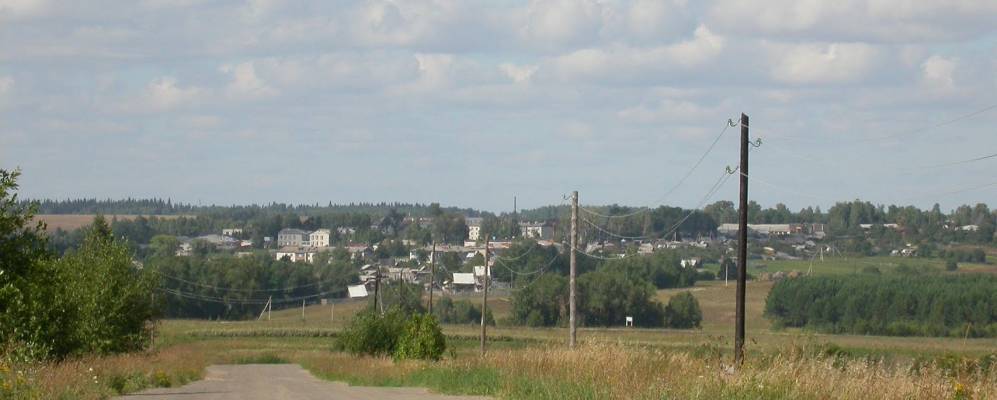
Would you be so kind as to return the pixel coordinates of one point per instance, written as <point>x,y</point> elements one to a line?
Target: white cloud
<point>561,22</point>
<point>937,73</point>
<point>164,94</point>
<point>820,63</point>
<point>22,8</point>
<point>857,20</point>
<point>6,84</point>
<point>622,62</point>
<point>518,73</point>
<point>667,110</point>
<point>245,83</point>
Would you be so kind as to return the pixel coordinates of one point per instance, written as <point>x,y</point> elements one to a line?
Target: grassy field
<point>852,265</point>
<point>70,222</point>
<point>525,363</point>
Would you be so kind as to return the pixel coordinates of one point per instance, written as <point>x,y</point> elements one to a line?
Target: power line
<point>528,251</point>
<point>930,127</point>
<point>613,234</point>
<point>914,131</point>
<point>706,198</point>
<point>539,270</point>
<point>730,123</point>
<point>200,297</point>
<point>231,289</point>
<point>960,162</point>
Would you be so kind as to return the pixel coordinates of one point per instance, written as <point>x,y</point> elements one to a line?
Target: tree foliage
<point>449,311</point>
<point>898,305</point>
<point>421,339</point>
<point>683,312</point>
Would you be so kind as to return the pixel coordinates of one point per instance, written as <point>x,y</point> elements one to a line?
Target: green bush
<point>951,265</point>
<point>422,339</point>
<point>92,300</point>
<point>371,333</point>
<point>683,312</point>
<point>460,312</point>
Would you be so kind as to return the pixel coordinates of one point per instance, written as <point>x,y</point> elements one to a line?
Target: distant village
<point>784,241</point>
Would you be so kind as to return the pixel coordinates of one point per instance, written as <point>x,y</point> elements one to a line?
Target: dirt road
<point>278,382</point>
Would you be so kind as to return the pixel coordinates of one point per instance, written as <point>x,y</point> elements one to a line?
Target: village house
<point>536,230</point>
<point>292,237</point>
<point>320,238</point>
<point>473,228</point>
<point>296,254</point>
<point>232,231</point>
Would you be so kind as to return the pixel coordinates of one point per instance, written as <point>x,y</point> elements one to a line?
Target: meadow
<point>535,363</point>
<point>72,222</point>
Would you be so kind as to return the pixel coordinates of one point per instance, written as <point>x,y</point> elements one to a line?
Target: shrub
<point>683,312</point>
<point>871,270</point>
<point>421,339</point>
<point>371,333</point>
<point>460,312</point>
<point>951,265</point>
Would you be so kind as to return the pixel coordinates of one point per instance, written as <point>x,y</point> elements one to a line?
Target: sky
<point>470,103</point>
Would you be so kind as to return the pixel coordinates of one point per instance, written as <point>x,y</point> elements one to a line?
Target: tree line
<point>610,291</point>
<point>913,304</point>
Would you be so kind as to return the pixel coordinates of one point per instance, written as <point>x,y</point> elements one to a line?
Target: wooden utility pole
<point>302,310</point>
<point>432,276</point>
<point>572,310</point>
<point>377,286</point>
<point>152,329</point>
<point>484,299</point>
<point>742,246</point>
<point>266,309</point>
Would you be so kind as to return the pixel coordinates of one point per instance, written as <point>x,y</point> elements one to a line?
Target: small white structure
<point>473,228</point>
<point>296,254</point>
<point>630,322</point>
<point>357,291</point>
<point>292,237</point>
<point>460,278</point>
<point>536,230</point>
<point>231,231</point>
<point>319,238</point>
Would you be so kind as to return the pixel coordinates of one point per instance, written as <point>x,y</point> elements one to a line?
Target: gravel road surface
<point>278,382</point>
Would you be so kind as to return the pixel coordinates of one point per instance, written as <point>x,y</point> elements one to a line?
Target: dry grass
<point>597,370</point>
<point>71,222</point>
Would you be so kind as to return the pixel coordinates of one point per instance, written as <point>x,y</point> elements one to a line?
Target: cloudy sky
<point>470,103</point>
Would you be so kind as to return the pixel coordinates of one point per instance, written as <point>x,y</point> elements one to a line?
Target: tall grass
<point>618,371</point>
<point>595,370</point>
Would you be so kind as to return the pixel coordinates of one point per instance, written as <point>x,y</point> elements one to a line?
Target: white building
<point>232,231</point>
<point>536,230</point>
<point>473,228</point>
<point>320,238</point>
<point>296,254</point>
<point>292,237</point>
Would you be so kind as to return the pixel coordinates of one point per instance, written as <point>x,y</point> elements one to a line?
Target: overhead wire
<point>706,198</point>
<point>612,233</point>
<point>906,132</point>
<point>231,289</point>
<point>730,123</point>
<point>201,297</point>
